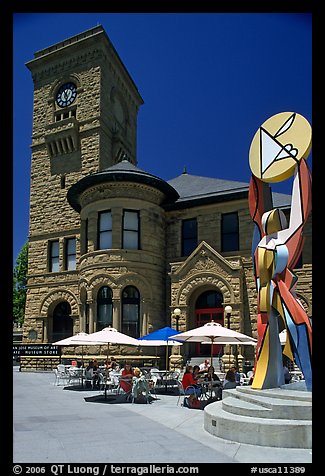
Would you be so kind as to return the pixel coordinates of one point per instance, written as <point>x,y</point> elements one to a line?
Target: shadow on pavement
<point>114,399</point>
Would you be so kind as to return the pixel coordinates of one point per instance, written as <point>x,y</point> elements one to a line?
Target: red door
<point>202,317</point>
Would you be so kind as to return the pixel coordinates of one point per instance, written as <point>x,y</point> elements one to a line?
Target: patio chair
<point>74,375</point>
<point>243,379</point>
<point>89,382</point>
<point>182,391</point>
<point>61,374</point>
<point>120,389</point>
<point>56,373</point>
<point>159,379</point>
<point>110,382</point>
<point>152,379</point>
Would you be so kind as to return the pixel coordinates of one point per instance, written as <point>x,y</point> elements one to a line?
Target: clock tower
<point>84,120</point>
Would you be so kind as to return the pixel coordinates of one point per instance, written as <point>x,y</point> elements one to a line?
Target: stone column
<point>117,217</point>
<point>82,325</point>
<point>45,331</point>
<point>92,231</point>
<point>91,316</point>
<point>228,359</point>
<point>116,314</point>
<point>144,311</point>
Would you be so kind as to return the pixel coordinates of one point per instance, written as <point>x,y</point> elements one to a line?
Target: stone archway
<point>47,311</point>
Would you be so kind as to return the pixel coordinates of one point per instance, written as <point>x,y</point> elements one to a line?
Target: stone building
<point>112,244</point>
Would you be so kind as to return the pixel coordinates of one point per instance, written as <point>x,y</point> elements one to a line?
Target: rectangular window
<point>54,262</point>
<point>105,230</point>
<point>131,228</point>
<point>70,254</point>
<point>189,236</point>
<point>229,232</point>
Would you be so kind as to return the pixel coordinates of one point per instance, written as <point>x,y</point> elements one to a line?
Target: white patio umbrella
<point>109,335</point>
<point>74,340</point>
<point>214,333</point>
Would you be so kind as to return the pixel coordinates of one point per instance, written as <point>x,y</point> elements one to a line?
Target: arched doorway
<point>209,307</point>
<point>62,322</point>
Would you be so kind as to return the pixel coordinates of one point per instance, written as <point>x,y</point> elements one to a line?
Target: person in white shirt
<point>204,366</point>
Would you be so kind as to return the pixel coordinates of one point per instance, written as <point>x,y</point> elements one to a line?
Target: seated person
<point>204,366</point>
<point>139,385</point>
<point>190,385</point>
<point>111,364</point>
<point>126,378</point>
<point>237,374</point>
<point>95,375</point>
<point>196,372</point>
<point>230,380</point>
<point>89,373</point>
<point>213,381</point>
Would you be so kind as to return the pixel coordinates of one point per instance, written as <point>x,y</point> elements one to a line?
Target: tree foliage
<point>19,285</point>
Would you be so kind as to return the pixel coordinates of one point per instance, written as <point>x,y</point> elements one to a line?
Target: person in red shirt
<point>126,378</point>
<point>190,385</point>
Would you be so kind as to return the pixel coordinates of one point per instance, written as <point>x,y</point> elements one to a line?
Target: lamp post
<point>177,315</point>
<point>227,358</point>
<point>228,311</point>
<point>176,359</point>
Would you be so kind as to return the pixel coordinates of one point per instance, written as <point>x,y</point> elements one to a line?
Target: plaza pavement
<point>55,424</point>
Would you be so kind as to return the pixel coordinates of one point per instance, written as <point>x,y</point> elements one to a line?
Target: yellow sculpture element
<point>278,145</point>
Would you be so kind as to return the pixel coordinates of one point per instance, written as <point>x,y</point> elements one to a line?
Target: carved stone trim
<point>121,190</point>
<point>186,290</point>
<point>99,280</point>
<point>57,296</point>
<point>133,279</point>
<point>204,257</point>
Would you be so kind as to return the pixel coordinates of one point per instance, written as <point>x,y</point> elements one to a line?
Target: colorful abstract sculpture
<point>278,150</point>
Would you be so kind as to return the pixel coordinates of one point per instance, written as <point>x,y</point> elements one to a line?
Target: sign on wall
<point>35,350</point>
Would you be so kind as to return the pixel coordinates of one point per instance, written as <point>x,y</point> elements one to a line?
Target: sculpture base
<point>278,417</point>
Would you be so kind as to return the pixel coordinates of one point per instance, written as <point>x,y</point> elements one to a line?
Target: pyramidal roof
<point>196,186</point>
<point>198,189</point>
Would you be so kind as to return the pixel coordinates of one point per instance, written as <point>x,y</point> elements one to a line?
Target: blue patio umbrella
<point>161,335</point>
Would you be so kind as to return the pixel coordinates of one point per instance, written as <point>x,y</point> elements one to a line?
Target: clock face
<point>66,94</point>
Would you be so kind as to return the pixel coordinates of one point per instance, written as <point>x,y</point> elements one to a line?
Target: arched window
<point>62,322</point>
<point>131,312</point>
<point>104,308</point>
<point>209,299</point>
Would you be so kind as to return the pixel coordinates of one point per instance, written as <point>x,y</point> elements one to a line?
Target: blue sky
<point>208,81</point>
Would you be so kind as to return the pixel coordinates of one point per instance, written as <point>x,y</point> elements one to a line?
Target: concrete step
<point>290,391</point>
<point>257,431</point>
<point>278,407</point>
<point>279,417</point>
<point>241,407</point>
